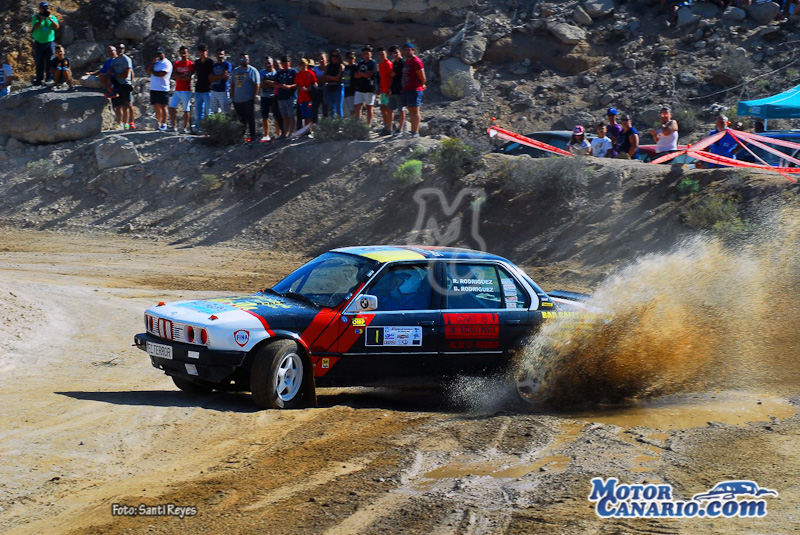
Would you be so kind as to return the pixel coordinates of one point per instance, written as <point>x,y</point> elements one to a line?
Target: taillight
<point>203,336</point>
<point>190,333</point>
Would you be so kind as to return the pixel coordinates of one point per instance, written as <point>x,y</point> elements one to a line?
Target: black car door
<point>484,314</point>
<point>401,337</point>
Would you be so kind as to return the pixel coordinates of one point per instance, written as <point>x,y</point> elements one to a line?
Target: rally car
<point>355,316</point>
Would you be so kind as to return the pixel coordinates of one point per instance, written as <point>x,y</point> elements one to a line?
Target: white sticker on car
<point>394,336</point>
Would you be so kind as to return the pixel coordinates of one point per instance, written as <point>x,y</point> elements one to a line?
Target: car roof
<point>394,253</point>
<point>780,133</point>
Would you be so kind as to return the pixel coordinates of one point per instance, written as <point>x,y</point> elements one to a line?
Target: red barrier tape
<point>522,140</point>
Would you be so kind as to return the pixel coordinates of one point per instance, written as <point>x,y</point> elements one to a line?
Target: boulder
<point>580,16</point>
<point>41,116</point>
<point>599,8</point>
<point>763,13</point>
<point>687,78</point>
<point>115,151</point>
<point>649,116</point>
<point>734,13</point>
<point>686,17</point>
<point>136,26</point>
<point>583,118</point>
<point>472,48</point>
<point>566,33</point>
<point>67,35</point>
<point>706,10</point>
<point>457,80</point>
<point>84,54</point>
<point>90,81</point>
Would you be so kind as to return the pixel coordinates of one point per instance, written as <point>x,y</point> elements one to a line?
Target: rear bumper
<point>196,363</point>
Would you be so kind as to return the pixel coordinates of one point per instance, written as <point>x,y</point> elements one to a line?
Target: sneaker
<point>385,132</point>
<point>173,129</point>
<point>310,135</point>
<point>413,134</point>
<point>265,139</point>
<point>282,137</point>
<point>163,128</point>
<point>121,126</point>
<point>37,82</point>
<point>131,126</point>
<point>247,140</point>
<point>126,127</point>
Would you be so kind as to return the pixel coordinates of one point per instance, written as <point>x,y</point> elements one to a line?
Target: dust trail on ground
<point>704,315</point>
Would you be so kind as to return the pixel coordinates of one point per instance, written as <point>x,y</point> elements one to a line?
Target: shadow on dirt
<point>216,401</point>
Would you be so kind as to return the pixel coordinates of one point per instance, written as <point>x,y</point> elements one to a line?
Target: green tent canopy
<point>784,105</point>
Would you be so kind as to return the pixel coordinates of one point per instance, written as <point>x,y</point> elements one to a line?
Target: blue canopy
<point>784,105</point>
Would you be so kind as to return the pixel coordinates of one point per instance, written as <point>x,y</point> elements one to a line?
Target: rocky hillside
<point>533,65</point>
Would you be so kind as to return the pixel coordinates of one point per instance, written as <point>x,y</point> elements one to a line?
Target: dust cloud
<point>705,315</point>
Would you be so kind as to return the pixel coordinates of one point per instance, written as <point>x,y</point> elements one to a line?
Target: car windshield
<point>328,279</point>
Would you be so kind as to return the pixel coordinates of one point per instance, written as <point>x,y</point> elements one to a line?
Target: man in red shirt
<point>413,85</point>
<point>305,80</point>
<point>182,74</point>
<point>385,77</point>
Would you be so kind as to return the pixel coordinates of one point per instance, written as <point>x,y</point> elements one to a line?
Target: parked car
<point>773,159</point>
<point>355,316</point>
<point>647,153</point>
<point>556,138</point>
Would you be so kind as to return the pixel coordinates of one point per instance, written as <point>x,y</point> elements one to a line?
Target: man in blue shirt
<point>220,76</point>
<point>724,146</point>
<point>246,82</point>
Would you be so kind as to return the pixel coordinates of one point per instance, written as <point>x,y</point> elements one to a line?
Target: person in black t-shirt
<point>347,80</point>
<point>59,67</point>
<point>286,96</point>
<point>396,96</point>
<point>364,78</point>
<point>202,84</point>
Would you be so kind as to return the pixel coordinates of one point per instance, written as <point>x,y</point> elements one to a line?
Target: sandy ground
<point>88,423</point>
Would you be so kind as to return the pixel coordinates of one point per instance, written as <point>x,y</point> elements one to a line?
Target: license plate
<point>159,350</point>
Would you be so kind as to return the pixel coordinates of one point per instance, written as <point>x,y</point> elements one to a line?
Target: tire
<point>279,376</point>
<point>190,386</point>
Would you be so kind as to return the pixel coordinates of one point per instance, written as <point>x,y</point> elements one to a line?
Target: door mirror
<point>364,303</point>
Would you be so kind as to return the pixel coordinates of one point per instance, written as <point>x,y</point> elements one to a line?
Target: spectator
<point>160,70</point>
<point>601,145</point>
<point>268,105</point>
<point>334,89</point>
<point>246,82</point>
<point>306,82</point>
<point>666,137</point>
<point>121,72</point>
<point>613,130</point>
<point>5,77</point>
<point>725,146</point>
<point>628,147</point>
<point>220,84</point>
<point>44,26</point>
<point>60,68</point>
<point>396,96</point>
<point>364,78</point>
<point>385,86</point>
<point>319,97</point>
<point>183,71</point>
<point>286,96</point>
<point>577,143</point>
<point>348,81</point>
<point>202,85</point>
<point>413,86</point>
<point>103,74</point>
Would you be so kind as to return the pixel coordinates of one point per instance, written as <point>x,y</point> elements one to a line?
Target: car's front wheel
<point>278,377</point>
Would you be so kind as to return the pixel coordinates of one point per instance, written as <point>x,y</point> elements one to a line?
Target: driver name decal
<point>472,326</point>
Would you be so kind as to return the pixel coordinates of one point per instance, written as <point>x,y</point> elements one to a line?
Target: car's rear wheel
<point>190,386</point>
<point>279,376</point>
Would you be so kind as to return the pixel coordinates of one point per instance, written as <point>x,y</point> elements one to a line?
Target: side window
<point>471,286</point>
<point>403,287</point>
<point>514,296</point>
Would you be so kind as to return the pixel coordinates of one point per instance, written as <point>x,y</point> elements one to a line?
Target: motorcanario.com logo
<point>615,500</point>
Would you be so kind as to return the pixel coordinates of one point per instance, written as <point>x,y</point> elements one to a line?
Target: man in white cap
<point>724,146</point>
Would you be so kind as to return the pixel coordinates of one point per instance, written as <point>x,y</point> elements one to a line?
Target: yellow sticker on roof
<point>393,255</point>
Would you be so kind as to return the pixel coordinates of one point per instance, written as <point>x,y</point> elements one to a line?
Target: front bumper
<point>197,363</point>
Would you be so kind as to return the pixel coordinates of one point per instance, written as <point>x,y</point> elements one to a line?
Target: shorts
<point>159,97</point>
<point>184,98</point>
<point>385,99</point>
<point>367,99</point>
<point>348,103</point>
<point>396,102</point>
<point>305,109</point>
<point>124,98</point>
<point>267,107</point>
<point>412,99</point>
<point>219,101</point>
<point>286,107</point>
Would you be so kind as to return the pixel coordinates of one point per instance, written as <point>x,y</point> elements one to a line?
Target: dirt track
<point>87,422</point>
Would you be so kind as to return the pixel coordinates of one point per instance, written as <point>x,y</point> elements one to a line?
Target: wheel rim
<point>527,386</point>
<point>289,377</point>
